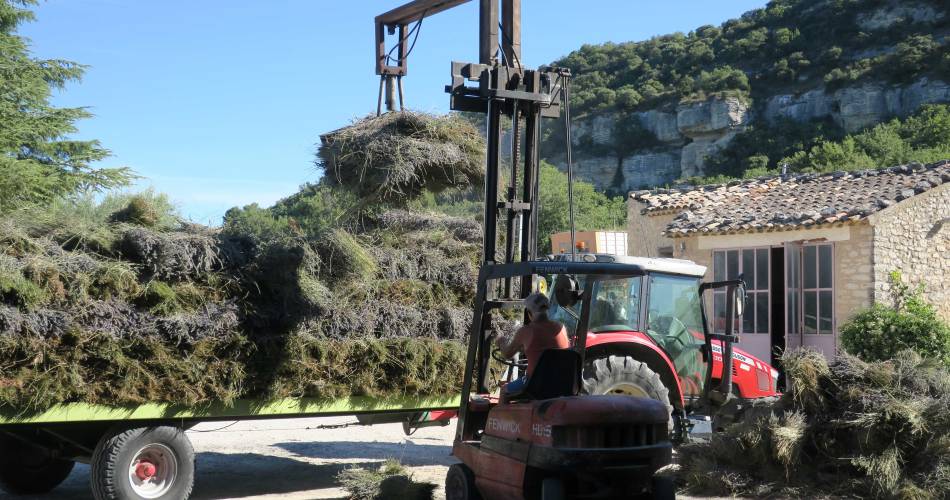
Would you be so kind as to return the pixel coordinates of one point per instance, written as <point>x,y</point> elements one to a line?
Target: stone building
<point>813,249</point>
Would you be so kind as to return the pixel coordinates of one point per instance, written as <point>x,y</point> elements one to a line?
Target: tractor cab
<point>549,440</point>
<point>657,324</point>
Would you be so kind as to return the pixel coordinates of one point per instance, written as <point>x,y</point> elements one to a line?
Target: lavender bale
<point>170,256</point>
<point>395,157</point>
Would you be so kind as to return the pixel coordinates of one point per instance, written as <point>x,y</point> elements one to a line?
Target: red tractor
<point>647,337</point>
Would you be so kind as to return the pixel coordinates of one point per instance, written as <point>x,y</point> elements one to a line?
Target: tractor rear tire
<point>624,375</point>
<point>460,484</point>
<point>26,469</point>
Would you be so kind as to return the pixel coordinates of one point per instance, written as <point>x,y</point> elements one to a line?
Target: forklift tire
<point>26,469</point>
<point>664,488</point>
<point>145,462</point>
<point>460,484</point>
<point>624,375</point>
<point>552,488</point>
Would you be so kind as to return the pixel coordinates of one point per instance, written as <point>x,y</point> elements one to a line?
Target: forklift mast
<point>499,86</point>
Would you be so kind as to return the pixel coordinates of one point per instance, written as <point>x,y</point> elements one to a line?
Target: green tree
<point>593,210</point>
<point>38,161</point>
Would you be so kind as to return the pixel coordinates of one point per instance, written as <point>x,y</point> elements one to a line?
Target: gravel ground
<point>292,459</point>
<point>289,459</point>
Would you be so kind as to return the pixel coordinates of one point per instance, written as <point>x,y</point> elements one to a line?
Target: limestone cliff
<point>880,59</point>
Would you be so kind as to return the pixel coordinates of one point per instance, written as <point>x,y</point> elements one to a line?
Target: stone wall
<point>914,237</point>
<point>645,232</point>
<point>853,273</point>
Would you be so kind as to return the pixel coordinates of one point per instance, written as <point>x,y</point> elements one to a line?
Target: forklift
<point>549,441</point>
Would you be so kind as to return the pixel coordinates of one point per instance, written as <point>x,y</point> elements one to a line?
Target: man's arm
<point>511,348</point>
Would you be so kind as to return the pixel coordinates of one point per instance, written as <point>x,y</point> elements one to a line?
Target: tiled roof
<point>792,201</point>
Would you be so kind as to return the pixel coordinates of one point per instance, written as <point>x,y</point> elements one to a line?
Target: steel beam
<point>413,11</point>
<point>511,24</point>
<point>488,32</point>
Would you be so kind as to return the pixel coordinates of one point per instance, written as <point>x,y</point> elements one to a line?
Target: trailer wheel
<point>626,376</point>
<point>460,484</point>
<point>26,469</point>
<point>143,463</point>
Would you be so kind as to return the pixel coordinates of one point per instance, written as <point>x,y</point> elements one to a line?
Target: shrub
<point>881,331</point>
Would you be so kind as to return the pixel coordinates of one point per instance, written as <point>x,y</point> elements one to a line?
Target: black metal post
<point>491,181</point>
<point>570,161</point>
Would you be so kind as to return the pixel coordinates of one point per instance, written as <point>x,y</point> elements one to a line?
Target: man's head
<point>537,305</point>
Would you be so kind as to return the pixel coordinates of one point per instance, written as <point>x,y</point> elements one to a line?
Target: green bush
<point>882,331</point>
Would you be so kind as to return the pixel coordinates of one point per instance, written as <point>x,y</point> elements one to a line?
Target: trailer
<point>142,451</point>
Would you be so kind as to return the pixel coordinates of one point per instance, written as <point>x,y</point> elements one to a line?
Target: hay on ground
<point>390,480</point>
<point>848,428</point>
<point>396,156</point>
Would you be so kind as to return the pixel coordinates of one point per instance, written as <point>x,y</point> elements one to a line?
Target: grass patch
<point>18,291</point>
<point>390,480</point>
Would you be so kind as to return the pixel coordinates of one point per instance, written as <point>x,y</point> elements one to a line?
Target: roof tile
<point>788,202</point>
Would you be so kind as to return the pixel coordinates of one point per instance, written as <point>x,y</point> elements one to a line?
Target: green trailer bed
<point>241,409</point>
<point>142,451</point>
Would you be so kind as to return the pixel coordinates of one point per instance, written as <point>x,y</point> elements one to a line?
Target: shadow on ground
<point>236,475</point>
<point>409,453</point>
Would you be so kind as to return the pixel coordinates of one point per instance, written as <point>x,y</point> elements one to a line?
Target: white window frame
<point>817,289</point>
<point>751,291</point>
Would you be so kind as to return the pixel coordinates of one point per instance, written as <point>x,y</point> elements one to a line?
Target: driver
<point>539,334</point>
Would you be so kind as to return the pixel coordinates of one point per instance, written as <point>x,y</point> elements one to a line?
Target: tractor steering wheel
<point>674,332</point>
<point>497,356</point>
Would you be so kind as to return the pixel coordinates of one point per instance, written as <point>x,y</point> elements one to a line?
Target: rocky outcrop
<point>684,138</point>
<point>856,108</point>
<point>898,13</point>
<point>710,126</point>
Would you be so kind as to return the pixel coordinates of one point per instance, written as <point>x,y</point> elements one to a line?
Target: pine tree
<point>38,161</point>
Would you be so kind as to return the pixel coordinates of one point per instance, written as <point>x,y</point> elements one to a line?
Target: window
<point>754,266</point>
<point>817,289</point>
<point>616,305</point>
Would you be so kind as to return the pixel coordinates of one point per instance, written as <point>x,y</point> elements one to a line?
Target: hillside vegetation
<point>787,47</point>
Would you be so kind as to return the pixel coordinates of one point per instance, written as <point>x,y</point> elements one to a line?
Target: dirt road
<point>288,459</point>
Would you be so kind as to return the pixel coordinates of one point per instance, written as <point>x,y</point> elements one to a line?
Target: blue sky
<point>221,102</point>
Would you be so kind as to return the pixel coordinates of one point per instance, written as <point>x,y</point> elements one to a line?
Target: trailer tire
<point>460,484</point>
<point>26,469</point>
<point>626,376</point>
<point>165,470</point>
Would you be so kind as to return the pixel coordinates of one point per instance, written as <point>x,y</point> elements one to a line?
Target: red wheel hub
<point>145,470</point>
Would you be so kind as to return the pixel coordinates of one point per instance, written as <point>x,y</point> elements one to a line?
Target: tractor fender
<point>643,350</point>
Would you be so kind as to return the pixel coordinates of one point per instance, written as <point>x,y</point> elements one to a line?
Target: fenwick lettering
<point>506,426</point>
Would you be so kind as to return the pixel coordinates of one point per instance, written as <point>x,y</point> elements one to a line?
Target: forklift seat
<point>558,374</point>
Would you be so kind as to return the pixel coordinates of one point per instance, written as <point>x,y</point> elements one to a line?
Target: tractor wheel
<point>145,462</point>
<point>626,376</point>
<point>30,470</point>
<point>460,484</point>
